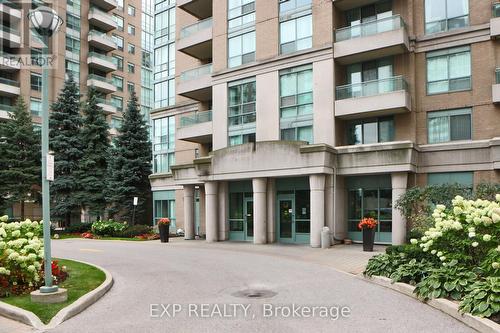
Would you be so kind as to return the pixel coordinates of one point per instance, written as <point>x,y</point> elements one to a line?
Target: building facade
<point>105,44</point>
<point>287,116</point>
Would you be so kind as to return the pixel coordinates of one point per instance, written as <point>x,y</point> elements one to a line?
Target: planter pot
<point>368,239</point>
<point>164,230</point>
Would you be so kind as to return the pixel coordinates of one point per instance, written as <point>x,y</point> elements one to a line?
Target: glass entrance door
<point>248,225</point>
<point>285,218</point>
<point>293,220</point>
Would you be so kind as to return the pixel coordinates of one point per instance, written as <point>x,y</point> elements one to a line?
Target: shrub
<point>134,231</point>
<point>108,228</point>
<point>21,256</point>
<point>412,272</point>
<point>384,264</point>
<point>78,228</point>
<point>483,298</point>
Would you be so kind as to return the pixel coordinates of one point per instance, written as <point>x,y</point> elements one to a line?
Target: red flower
<point>367,223</point>
<point>164,220</point>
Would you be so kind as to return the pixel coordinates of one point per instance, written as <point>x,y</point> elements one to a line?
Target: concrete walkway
<point>194,272</point>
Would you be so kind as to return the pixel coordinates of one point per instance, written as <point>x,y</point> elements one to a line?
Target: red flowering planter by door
<point>368,225</point>
<point>164,228</point>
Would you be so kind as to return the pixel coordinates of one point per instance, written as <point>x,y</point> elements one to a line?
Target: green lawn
<point>82,279</point>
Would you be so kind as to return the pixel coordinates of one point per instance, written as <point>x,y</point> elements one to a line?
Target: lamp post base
<point>58,296</point>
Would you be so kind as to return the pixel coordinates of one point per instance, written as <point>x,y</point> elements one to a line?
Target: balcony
<point>101,19</point>
<point>196,127</point>
<point>371,40</point>
<point>350,4</point>
<point>196,83</point>
<point>106,106</point>
<point>5,111</point>
<point>202,9</point>
<point>101,62</point>
<point>10,37</point>
<point>9,61</point>
<point>101,84</point>
<point>196,40</point>
<point>373,98</point>
<point>101,41</point>
<point>495,21</point>
<point>10,11</point>
<point>106,5</point>
<point>495,89</point>
<point>9,87</point>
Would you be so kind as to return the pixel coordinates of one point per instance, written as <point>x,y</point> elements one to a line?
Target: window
<point>240,13</point>
<point>242,49</point>
<point>444,15</point>
<point>164,93</point>
<point>146,60</point>
<point>117,102</point>
<point>368,79</point>
<point>163,144</point>
<point>449,70</point>
<point>116,123</point>
<point>117,82</point>
<point>36,106</point>
<point>165,208</point>
<point>296,28</point>
<point>370,131</point>
<point>119,21</point>
<point>131,30</point>
<point>120,4</point>
<point>72,22</point>
<point>461,178</point>
<point>73,68</point>
<point>165,26</point>
<point>296,103</point>
<point>131,10</point>
<point>130,86</point>
<point>118,41</point>
<point>36,82</point>
<point>165,61</point>
<point>452,125</point>
<point>72,44</point>
<point>118,61</point>
<point>131,68</point>
<point>36,57</point>
<point>131,48</point>
<point>241,113</point>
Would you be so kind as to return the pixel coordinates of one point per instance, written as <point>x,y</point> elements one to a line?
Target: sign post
<point>136,201</point>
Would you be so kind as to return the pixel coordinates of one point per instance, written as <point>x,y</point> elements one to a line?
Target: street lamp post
<point>46,22</point>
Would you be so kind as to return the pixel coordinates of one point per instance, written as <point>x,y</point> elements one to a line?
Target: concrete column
<point>271,210</point>
<point>211,211</point>
<point>399,185</point>
<point>259,210</point>
<point>188,193</point>
<point>317,185</point>
<point>223,210</point>
<point>329,197</point>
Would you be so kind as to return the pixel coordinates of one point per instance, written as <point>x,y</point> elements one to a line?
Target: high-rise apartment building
<point>287,116</point>
<point>106,44</point>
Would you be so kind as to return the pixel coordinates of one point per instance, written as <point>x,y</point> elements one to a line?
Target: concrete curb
<point>29,318</point>
<point>450,308</point>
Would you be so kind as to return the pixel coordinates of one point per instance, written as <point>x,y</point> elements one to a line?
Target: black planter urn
<point>164,229</point>
<point>368,239</point>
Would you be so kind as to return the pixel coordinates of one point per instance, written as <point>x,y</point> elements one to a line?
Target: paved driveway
<point>193,272</point>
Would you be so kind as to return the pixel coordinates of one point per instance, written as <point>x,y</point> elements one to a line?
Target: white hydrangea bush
<point>21,256</point>
<point>468,232</point>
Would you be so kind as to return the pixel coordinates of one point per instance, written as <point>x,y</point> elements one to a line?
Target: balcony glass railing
<point>95,10</point>
<point>371,88</point>
<point>9,82</point>
<point>8,108</point>
<point>496,10</point>
<point>196,72</point>
<point>99,78</point>
<point>10,30</point>
<point>104,101</point>
<point>369,28</point>
<point>197,117</point>
<point>194,28</point>
<point>11,4</point>
<point>101,35</point>
<point>497,75</point>
<point>101,56</point>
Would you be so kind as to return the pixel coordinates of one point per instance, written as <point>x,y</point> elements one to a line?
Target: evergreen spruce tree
<point>20,158</point>
<point>65,141</point>
<point>94,162</point>
<point>131,165</point>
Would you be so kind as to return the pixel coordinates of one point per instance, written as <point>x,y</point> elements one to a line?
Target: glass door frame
<point>279,199</point>
<point>246,237</point>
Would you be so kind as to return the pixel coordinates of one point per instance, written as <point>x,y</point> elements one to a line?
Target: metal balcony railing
<point>194,28</point>
<point>197,117</point>
<point>371,88</point>
<point>370,28</point>
<point>196,72</point>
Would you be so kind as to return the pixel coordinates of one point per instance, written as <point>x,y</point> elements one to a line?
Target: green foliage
<point>448,281</point>
<point>483,298</point>
<point>78,228</point>
<point>94,162</point>
<point>20,158</point>
<point>108,228</point>
<point>130,166</point>
<point>65,142</point>
<point>409,250</point>
<point>411,272</point>
<point>384,264</point>
<point>486,191</point>
<point>134,231</point>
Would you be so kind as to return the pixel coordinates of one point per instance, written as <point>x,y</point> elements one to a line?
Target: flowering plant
<point>164,220</point>
<point>367,223</point>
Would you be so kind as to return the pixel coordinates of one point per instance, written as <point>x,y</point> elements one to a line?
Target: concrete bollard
<point>325,238</point>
